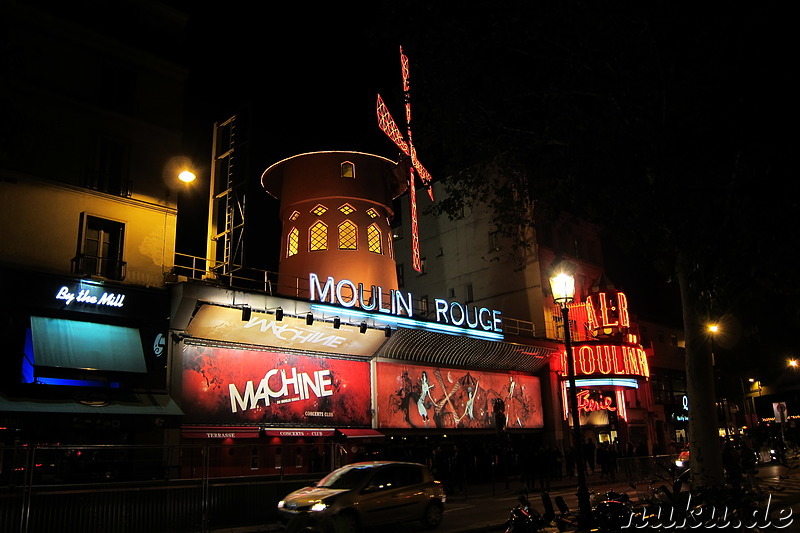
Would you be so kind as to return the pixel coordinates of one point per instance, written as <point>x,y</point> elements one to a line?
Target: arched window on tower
<point>318,236</point>
<point>374,239</point>
<point>292,242</point>
<point>348,170</point>
<point>348,236</point>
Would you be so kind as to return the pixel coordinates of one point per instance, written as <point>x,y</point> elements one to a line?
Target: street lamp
<point>713,329</point>
<point>563,287</point>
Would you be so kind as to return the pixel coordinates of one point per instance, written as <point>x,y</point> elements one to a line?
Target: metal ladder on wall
<point>226,205</point>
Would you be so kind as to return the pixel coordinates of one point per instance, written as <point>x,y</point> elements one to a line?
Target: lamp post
<point>563,287</point>
<point>713,329</point>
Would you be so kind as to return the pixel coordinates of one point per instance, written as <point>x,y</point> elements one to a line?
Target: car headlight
<point>281,504</point>
<point>678,463</point>
<point>319,506</point>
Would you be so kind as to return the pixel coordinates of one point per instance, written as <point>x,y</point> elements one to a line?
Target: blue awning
<point>137,404</point>
<point>75,344</point>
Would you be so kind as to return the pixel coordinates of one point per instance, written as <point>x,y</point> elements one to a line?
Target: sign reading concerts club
<point>232,386</point>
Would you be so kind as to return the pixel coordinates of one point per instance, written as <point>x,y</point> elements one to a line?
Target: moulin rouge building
<point>336,357</point>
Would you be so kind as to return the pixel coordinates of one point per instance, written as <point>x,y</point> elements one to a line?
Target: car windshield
<point>345,478</point>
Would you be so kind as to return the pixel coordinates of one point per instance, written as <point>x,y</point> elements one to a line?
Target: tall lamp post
<point>563,287</point>
<point>724,403</point>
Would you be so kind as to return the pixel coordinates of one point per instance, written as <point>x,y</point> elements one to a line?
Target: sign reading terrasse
<point>349,294</point>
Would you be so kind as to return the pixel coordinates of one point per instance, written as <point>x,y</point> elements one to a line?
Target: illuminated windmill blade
<point>423,173</point>
<point>389,127</point>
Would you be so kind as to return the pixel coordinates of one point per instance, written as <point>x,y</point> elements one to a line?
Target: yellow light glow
<point>713,328</point>
<point>563,287</point>
<point>187,176</point>
<point>793,363</point>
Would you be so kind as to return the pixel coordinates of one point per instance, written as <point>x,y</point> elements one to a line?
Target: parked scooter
<point>524,518</point>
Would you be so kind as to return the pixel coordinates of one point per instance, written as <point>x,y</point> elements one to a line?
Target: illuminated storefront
<point>95,350</point>
<point>611,371</point>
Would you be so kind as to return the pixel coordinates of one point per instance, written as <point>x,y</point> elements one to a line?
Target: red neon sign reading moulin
<point>609,360</point>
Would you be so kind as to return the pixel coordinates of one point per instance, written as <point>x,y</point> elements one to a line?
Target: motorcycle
<point>524,518</point>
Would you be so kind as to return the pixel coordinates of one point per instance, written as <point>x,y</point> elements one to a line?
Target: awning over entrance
<point>351,433</point>
<point>463,351</point>
<point>220,432</point>
<point>299,432</point>
<point>63,343</point>
<point>135,404</point>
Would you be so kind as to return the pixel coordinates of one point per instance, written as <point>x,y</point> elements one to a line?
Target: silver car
<point>367,494</point>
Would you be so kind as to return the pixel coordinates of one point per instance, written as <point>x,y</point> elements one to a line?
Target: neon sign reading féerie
<point>591,359</point>
<point>587,404</point>
<point>85,296</point>
<point>348,294</point>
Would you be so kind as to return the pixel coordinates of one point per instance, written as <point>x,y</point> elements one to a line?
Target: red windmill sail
<point>406,145</point>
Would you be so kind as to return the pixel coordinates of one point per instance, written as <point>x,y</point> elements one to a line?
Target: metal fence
<point>132,489</point>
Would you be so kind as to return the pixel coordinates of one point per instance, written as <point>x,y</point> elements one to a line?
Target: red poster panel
<point>410,396</point>
<point>228,386</point>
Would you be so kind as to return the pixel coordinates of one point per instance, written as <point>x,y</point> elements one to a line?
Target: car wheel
<point>433,515</point>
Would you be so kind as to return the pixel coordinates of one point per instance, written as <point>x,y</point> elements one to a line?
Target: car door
<point>393,495</point>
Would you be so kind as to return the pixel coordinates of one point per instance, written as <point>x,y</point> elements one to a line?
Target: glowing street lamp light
<point>563,287</point>
<point>187,176</point>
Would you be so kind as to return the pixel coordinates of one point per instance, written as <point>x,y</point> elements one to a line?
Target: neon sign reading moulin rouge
<point>303,386</point>
<point>348,294</point>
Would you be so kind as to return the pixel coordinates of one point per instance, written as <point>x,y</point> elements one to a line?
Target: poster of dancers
<point>414,396</point>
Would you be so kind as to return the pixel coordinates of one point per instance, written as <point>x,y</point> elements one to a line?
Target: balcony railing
<point>92,265</point>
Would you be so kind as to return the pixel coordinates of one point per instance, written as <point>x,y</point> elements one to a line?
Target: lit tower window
<point>292,242</point>
<point>294,216</point>
<point>372,212</point>
<point>346,209</point>
<point>318,236</point>
<point>348,236</point>
<point>319,210</point>
<point>348,170</point>
<point>374,239</point>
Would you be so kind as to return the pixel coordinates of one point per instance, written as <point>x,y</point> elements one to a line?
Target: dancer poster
<point>412,396</point>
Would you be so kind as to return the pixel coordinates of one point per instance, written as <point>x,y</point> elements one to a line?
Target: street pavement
<point>484,507</point>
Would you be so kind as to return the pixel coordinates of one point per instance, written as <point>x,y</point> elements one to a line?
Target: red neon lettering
<point>622,309</point>
<point>587,404</point>
<point>590,315</point>
<point>586,360</point>
<point>604,359</point>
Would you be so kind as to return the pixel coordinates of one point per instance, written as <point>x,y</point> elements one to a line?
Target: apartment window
<point>348,170</point>
<point>348,236</point>
<point>494,244</point>
<point>100,248</point>
<point>423,265</point>
<point>292,242</point>
<point>674,340</point>
<point>401,275</point>
<point>470,296</point>
<point>318,236</point>
<point>117,87</point>
<point>110,168</point>
<point>423,305</point>
<point>374,239</point>
<point>451,292</point>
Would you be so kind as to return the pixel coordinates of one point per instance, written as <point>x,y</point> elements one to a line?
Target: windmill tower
<point>335,211</point>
